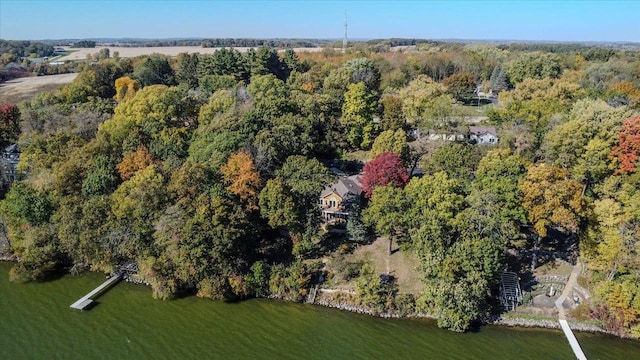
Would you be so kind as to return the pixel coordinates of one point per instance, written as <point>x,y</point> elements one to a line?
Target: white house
<point>483,134</point>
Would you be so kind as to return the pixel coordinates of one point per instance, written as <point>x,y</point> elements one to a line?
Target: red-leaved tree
<point>628,150</point>
<point>383,170</point>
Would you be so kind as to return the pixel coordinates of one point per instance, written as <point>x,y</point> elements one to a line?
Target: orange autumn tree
<point>628,150</point>
<point>133,162</point>
<point>243,178</point>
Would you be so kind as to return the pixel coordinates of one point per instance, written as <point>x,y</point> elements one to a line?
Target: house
<point>335,198</point>
<point>483,134</point>
<point>434,135</point>
<point>475,134</point>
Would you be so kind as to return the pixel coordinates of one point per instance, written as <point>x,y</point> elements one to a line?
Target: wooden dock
<point>562,319</point>
<point>87,300</point>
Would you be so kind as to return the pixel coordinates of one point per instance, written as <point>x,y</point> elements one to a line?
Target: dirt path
<point>573,278</point>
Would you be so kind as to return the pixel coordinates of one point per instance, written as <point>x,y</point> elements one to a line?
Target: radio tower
<point>344,41</point>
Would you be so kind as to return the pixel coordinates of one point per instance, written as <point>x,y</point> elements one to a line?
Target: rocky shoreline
<point>346,305</point>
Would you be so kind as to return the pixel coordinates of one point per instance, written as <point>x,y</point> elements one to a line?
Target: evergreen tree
<point>498,80</point>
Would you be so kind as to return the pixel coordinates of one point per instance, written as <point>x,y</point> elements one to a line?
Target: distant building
<point>335,198</point>
<point>483,134</point>
<point>475,134</point>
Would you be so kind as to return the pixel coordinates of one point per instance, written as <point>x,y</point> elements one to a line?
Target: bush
<point>372,291</point>
<point>291,282</point>
<point>258,279</point>
<point>405,304</point>
<point>346,270</point>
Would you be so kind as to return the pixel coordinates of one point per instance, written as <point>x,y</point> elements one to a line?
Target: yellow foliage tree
<point>552,199</point>
<point>629,90</point>
<point>243,178</point>
<point>126,88</point>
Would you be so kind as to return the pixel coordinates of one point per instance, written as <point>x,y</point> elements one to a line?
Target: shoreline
<point>495,320</point>
<point>349,306</point>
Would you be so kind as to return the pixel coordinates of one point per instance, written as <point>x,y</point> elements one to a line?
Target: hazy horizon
<point>544,21</point>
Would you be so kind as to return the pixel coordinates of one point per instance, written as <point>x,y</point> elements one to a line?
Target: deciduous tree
<point>385,169</point>
<point>358,110</point>
<point>243,179</point>
<point>9,123</point>
<point>460,85</point>
<point>628,150</point>
<point>126,88</point>
<point>133,162</point>
<point>391,141</point>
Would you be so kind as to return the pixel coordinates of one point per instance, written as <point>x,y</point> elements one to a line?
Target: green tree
<point>386,213</point>
<point>371,291</point>
<point>357,115</point>
<point>101,177</point>
<point>426,104</point>
<point>459,160</point>
<point>394,141</point>
<point>226,61</point>
<point>187,70</point>
<point>496,180</point>
<point>460,85</point>
<point>290,61</point>
<point>265,61</point>
<point>392,116</point>
<point>137,203</point>
<point>270,95</point>
<point>209,84</point>
<point>534,65</point>
<point>155,70</point>
<point>278,206</point>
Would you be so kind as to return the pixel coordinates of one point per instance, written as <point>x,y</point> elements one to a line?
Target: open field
<point>17,90</point>
<point>127,52</point>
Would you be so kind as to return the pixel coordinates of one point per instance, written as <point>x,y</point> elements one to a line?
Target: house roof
<point>12,149</point>
<point>344,186</point>
<point>480,130</point>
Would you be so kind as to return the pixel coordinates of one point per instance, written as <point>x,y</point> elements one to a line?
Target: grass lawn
<point>554,268</point>
<point>400,265</point>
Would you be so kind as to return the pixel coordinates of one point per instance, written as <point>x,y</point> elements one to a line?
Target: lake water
<point>37,323</point>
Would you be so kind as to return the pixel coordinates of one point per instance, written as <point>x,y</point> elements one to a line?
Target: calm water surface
<point>37,323</point>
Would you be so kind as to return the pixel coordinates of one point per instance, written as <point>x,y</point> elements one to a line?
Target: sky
<point>482,20</point>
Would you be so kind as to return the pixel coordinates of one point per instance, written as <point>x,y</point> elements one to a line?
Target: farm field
<point>16,90</point>
<point>127,52</point>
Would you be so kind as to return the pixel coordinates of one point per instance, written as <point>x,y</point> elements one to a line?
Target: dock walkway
<point>87,300</point>
<point>573,342</point>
